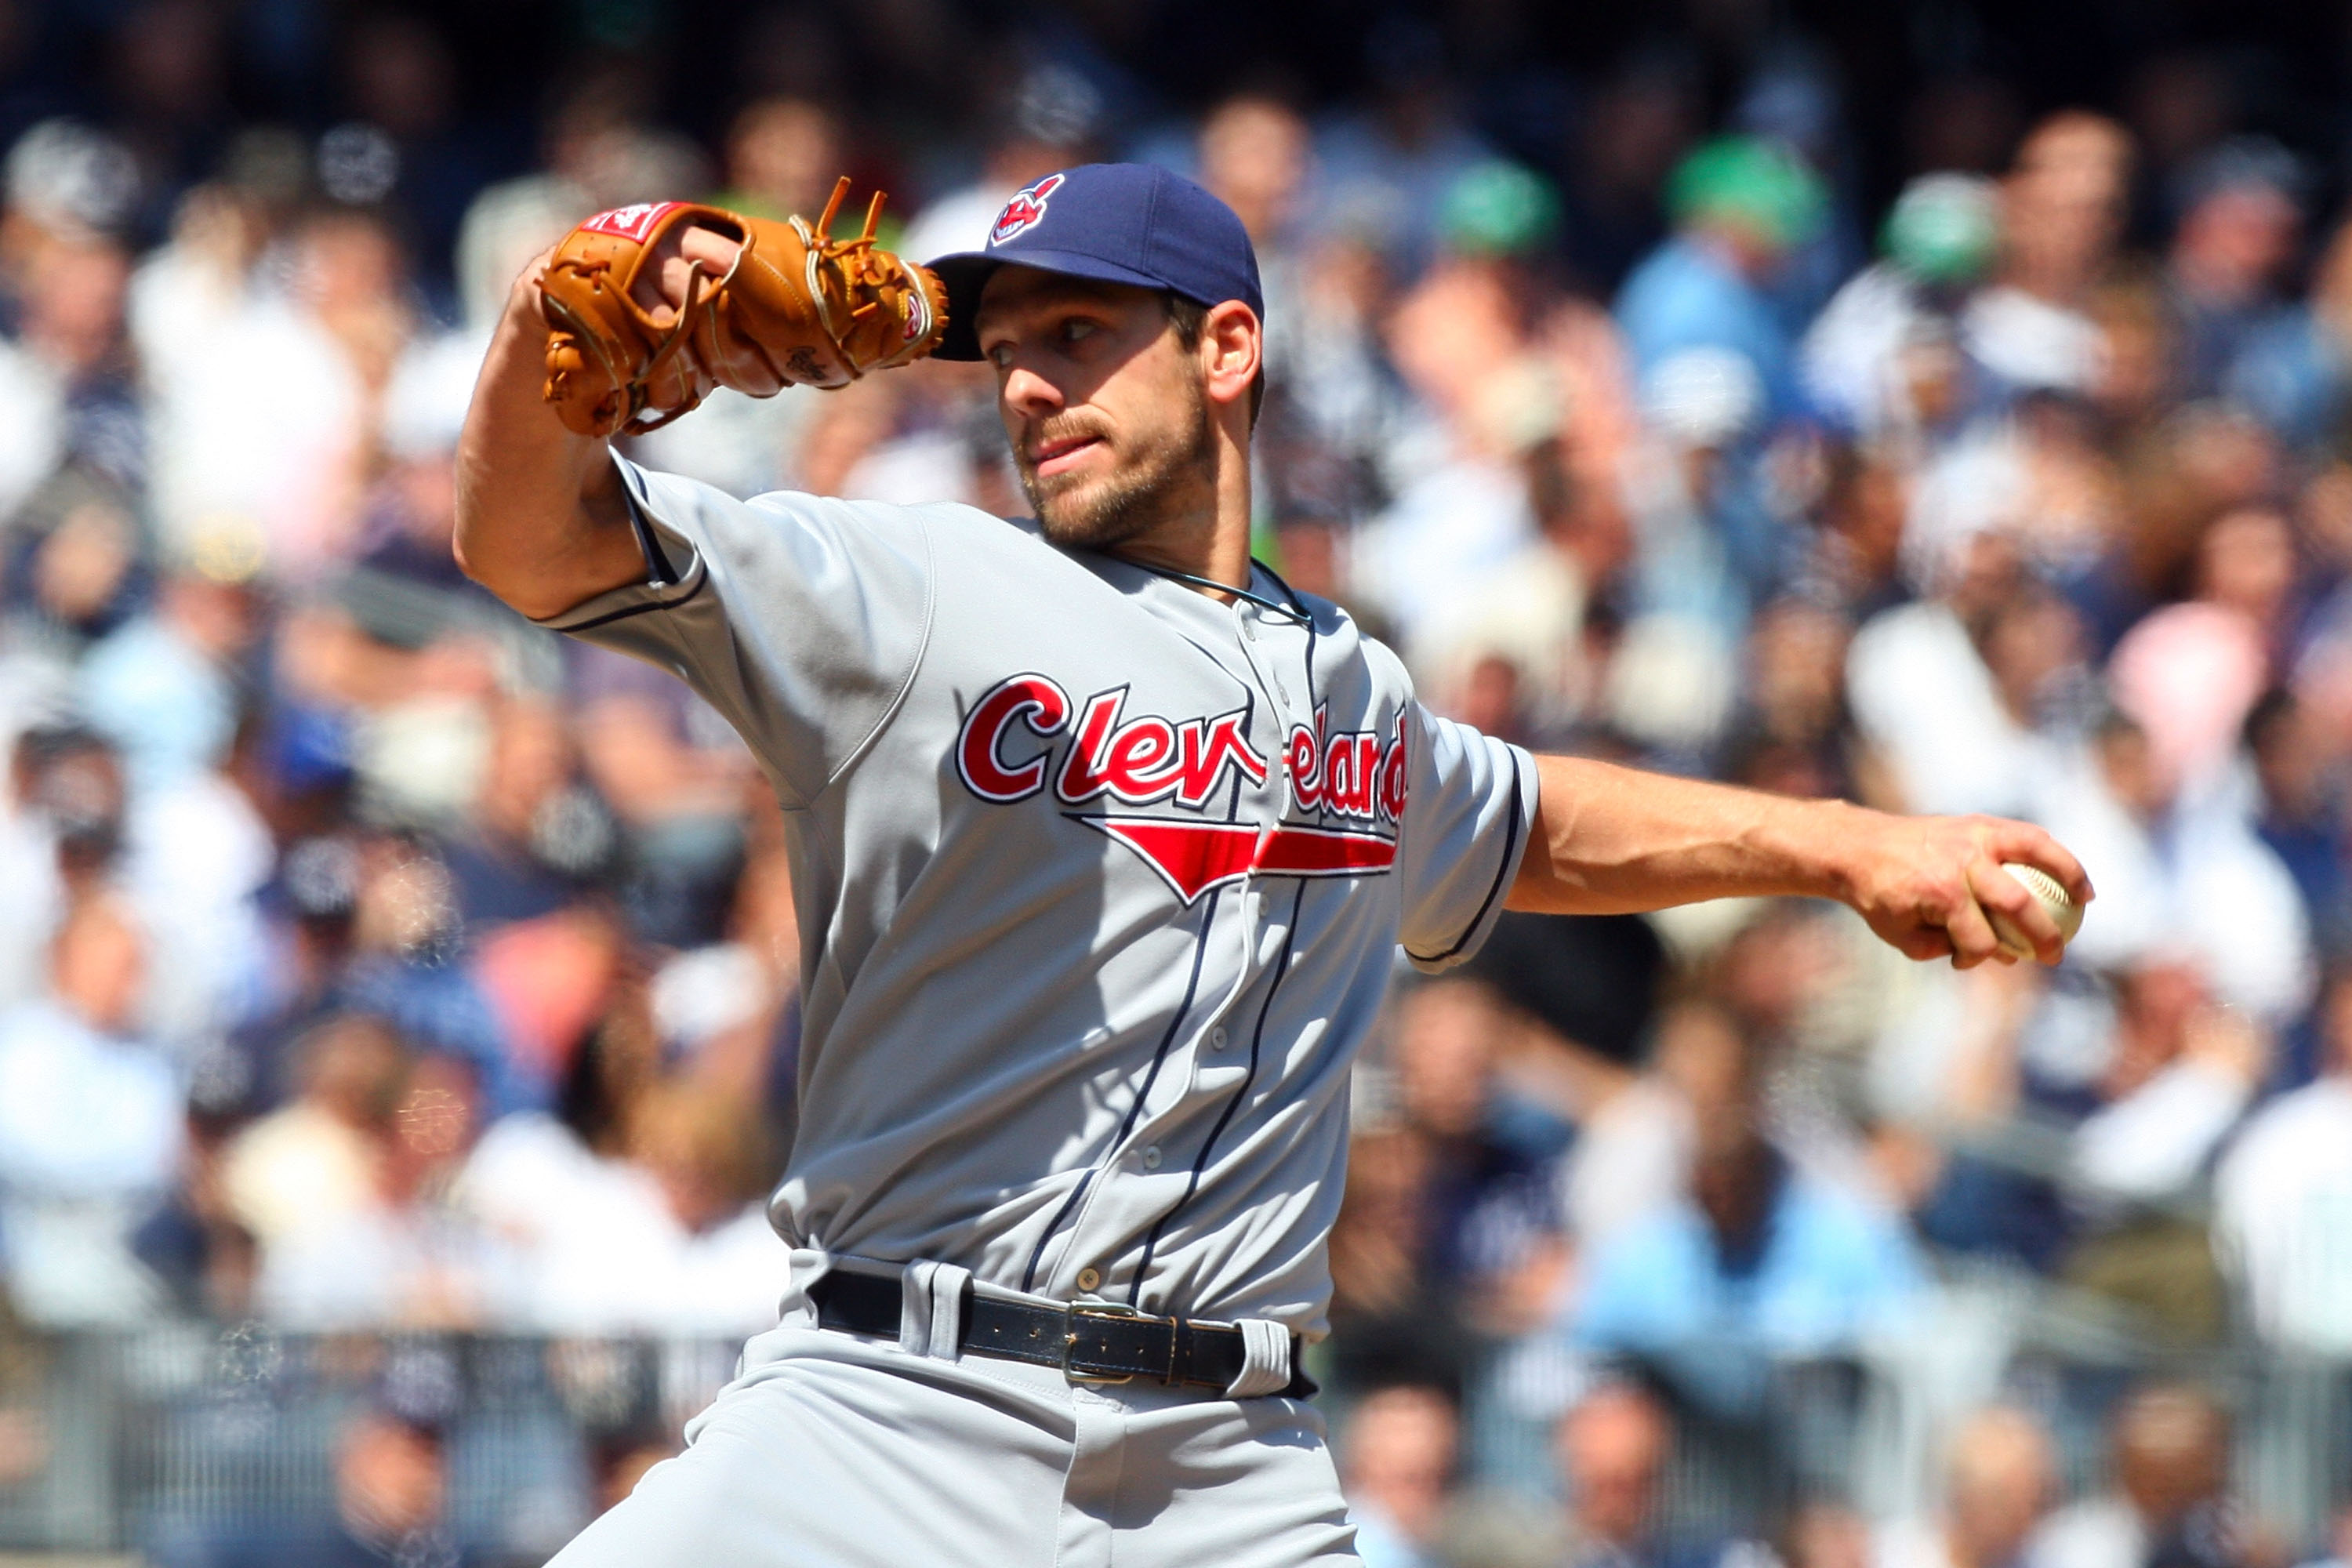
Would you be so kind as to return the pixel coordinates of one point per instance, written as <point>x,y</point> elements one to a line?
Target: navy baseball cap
<point>1120,223</point>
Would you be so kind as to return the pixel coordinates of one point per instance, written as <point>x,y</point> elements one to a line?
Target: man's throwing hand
<point>1926,883</point>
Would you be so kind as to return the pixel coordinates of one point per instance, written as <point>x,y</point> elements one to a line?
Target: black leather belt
<point>1088,1341</point>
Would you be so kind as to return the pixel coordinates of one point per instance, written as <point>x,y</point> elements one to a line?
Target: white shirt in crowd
<point>2283,1218</point>
<point>90,1131</point>
<point>601,1252</point>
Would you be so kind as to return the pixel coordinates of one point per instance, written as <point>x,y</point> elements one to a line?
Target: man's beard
<point>1129,503</point>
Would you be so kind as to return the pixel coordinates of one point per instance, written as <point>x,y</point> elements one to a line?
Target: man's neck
<point>1211,542</point>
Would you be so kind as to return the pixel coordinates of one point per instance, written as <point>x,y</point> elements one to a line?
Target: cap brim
<point>965,273</point>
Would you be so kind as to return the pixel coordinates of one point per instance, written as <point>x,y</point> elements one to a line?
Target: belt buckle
<point>1071,1313</point>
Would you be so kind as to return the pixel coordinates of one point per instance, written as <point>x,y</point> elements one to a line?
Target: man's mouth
<point>1058,455</point>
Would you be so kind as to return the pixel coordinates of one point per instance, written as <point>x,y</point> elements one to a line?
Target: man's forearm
<point>542,521</point>
<point>1611,840</point>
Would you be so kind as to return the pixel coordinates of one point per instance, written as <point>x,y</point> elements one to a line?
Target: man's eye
<point>1001,356</point>
<point>1076,330</point>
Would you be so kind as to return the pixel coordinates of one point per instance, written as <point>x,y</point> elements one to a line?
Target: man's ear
<point>1233,346</point>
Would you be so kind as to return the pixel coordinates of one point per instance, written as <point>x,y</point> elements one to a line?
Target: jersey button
<point>1217,1038</point>
<point>1089,1277</point>
<point>1249,628</point>
<point>1152,1158</point>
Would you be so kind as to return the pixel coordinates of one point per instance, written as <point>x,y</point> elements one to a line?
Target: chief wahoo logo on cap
<point>1023,210</point>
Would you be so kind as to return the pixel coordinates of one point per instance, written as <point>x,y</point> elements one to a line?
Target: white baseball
<point>2063,909</point>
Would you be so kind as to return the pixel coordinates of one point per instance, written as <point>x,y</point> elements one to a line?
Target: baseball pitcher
<point>1103,839</point>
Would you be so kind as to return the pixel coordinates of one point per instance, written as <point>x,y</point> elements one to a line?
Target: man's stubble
<point>1134,500</point>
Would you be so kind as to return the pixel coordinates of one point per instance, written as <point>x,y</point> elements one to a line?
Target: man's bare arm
<point>542,521</point>
<point>1612,841</point>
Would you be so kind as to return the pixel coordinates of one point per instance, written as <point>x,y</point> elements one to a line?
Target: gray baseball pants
<point>835,1451</point>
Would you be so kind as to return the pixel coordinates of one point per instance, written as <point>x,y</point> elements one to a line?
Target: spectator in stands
<point>58,842</point>
<point>193,1241</point>
<point>1759,1258</point>
<point>70,371</point>
<point>1925,695</point>
<point>1450,1222</point>
<point>1382,1320</point>
<point>1792,734</point>
<point>2105,1185</point>
<point>405,91</point>
<point>2168,1506</point>
<point>2062,214</point>
<point>1883,359</point>
<point>1998,1480</point>
<point>597,153</point>
<point>406,930</point>
<point>1824,1533</point>
<point>311,1164</point>
<point>1398,1458</point>
<point>410,511</point>
<point>77,569</point>
<point>2294,370</point>
<point>2193,878</point>
<point>2181,1073</point>
<point>1612,1447</point>
<point>666,1230</point>
<point>2301,820</point>
<point>391,1492</point>
<point>163,686</point>
<point>1463,341</point>
<point>1255,157</point>
<point>307,908</point>
<point>267,470</point>
<point>405,1257</point>
<point>2240,226</point>
<point>1740,207</point>
<point>784,155</point>
<point>2281,1197</point>
<point>90,1127</point>
<point>1633,1150</point>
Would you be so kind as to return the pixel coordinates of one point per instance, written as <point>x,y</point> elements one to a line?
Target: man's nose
<point>1027,392</point>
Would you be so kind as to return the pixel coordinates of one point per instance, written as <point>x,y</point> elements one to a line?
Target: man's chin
<point>1078,518</point>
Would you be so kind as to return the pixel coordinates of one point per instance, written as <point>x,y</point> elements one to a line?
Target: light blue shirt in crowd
<point>1687,295</point>
<point>1832,1267</point>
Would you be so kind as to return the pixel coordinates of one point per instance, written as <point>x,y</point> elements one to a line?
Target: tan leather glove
<point>797,307</point>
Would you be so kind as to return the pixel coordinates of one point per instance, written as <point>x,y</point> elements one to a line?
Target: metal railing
<point>139,1441</point>
<point>1870,1428</point>
<point>146,1441</point>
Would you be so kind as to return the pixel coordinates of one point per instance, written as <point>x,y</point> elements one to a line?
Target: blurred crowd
<point>373,961</point>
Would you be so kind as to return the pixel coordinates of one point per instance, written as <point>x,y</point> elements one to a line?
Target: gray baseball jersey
<point>1099,879</point>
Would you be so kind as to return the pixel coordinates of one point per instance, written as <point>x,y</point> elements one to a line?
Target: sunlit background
<point>1948,406</point>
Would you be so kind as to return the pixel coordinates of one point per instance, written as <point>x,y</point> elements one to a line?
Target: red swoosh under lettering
<point>1193,856</point>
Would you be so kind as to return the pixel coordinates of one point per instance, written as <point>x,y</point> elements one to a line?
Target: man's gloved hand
<point>650,307</point>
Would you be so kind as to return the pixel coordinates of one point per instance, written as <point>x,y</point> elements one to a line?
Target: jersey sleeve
<point>1469,809</point>
<point>800,619</point>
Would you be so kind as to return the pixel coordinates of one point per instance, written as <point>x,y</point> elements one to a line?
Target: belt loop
<point>1265,1359</point>
<point>805,1266</point>
<point>930,1308</point>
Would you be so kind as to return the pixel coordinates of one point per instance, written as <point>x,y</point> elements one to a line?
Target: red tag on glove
<point>632,222</point>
